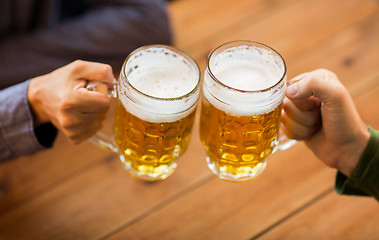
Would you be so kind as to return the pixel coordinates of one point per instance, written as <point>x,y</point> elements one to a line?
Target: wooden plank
<point>225,224</point>
<point>337,217</point>
<point>219,210</point>
<point>196,20</point>
<point>223,210</point>
<point>353,31</point>
<point>333,217</point>
<point>288,26</point>
<point>88,195</point>
<point>42,173</point>
<point>367,105</point>
<point>25,177</point>
<point>100,200</point>
<point>352,53</point>
<point>348,36</point>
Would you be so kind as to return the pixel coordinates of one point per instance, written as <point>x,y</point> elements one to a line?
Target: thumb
<point>322,84</point>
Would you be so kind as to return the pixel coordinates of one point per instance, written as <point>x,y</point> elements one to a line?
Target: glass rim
<point>184,54</point>
<point>240,90</point>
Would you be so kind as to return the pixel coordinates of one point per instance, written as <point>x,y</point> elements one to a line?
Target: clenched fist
<point>61,98</point>
<point>320,111</point>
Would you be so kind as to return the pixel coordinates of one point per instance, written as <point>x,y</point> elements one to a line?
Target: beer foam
<point>164,75</point>
<point>250,69</point>
<point>163,84</point>
<point>241,75</point>
<point>246,68</point>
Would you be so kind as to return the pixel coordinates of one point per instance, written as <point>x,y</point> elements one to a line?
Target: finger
<point>98,87</point>
<point>92,71</point>
<point>78,134</point>
<point>99,116</point>
<point>77,122</point>
<point>297,78</point>
<point>91,101</point>
<point>308,118</point>
<point>89,133</point>
<point>320,83</point>
<point>307,104</point>
<point>296,130</point>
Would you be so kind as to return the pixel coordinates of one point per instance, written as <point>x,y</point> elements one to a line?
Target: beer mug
<point>157,94</point>
<point>243,89</point>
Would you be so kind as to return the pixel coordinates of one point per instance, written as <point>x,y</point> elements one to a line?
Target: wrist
<point>354,151</point>
<point>34,95</point>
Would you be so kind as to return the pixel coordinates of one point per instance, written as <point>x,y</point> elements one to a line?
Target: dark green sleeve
<point>364,179</point>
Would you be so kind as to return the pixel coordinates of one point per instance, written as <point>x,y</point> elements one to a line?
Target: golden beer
<point>243,90</point>
<point>157,94</point>
<point>238,145</point>
<point>151,149</point>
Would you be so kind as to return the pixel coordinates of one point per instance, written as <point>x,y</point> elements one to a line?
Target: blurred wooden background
<point>82,192</point>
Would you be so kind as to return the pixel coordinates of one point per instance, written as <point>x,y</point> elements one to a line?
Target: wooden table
<point>82,192</point>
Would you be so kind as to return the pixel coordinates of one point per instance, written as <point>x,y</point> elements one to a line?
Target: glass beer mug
<point>157,94</point>
<point>243,89</point>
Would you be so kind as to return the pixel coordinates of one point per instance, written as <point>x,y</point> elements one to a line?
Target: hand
<point>60,97</point>
<point>320,111</point>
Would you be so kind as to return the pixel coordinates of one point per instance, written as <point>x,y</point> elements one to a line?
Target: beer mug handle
<point>101,139</point>
<point>284,142</point>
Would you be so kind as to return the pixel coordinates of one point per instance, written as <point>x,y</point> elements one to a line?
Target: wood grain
<point>223,210</point>
<point>337,217</point>
<point>82,192</point>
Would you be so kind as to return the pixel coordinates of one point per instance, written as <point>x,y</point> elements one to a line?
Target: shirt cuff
<point>17,133</point>
<point>364,180</point>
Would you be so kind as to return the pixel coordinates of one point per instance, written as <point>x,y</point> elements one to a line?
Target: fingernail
<point>295,79</point>
<point>291,90</point>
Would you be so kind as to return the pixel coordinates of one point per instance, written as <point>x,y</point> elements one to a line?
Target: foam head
<point>156,82</point>
<point>243,80</point>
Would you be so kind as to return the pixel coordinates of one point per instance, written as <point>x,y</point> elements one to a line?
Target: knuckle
<point>74,138</point>
<point>75,141</point>
<point>105,72</point>
<point>339,91</point>
<point>71,136</point>
<point>95,127</point>
<point>77,67</point>
<point>101,108</point>
<point>293,135</point>
<point>106,68</point>
<point>66,105</point>
<point>326,75</point>
<point>67,123</point>
<point>78,63</point>
<point>290,134</point>
<point>313,81</point>
<point>298,131</point>
<point>322,71</point>
<point>69,101</point>
<point>98,126</point>
<point>313,119</point>
<point>105,106</point>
